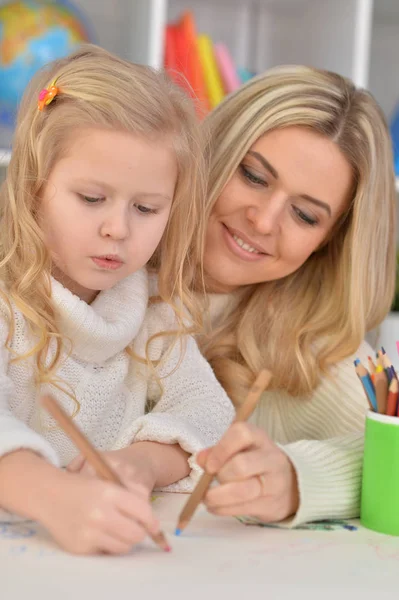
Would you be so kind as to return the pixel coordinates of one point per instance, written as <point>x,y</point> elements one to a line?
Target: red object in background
<point>182,61</point>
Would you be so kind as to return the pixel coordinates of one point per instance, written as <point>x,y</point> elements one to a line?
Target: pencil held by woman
<point>243,414</point>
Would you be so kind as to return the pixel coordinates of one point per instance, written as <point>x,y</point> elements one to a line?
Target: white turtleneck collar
<point>105,327</point>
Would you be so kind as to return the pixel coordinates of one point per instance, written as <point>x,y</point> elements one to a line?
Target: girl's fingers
<point>126,473</point>
<point>246,465</point>
<point>138,508</point>
<point>239,437</point>
<point>125,530</point>
<point>108,544</point>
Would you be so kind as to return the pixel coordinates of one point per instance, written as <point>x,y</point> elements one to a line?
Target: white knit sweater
<point>322,436</point>
<point>111,387</point>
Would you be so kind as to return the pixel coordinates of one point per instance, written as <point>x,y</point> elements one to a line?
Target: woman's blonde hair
<point>97,89</point>
<point>302,324</point>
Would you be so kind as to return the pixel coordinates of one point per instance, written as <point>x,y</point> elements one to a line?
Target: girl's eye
<point>304,217</point>
<point>145,210</point>
<point>91,200</point>
<point>252,178</point>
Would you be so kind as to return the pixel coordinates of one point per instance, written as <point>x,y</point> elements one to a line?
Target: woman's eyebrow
<point>264,162</point>
<point>320,203</point>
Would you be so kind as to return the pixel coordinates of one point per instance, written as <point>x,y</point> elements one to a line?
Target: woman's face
<point>277,209</point>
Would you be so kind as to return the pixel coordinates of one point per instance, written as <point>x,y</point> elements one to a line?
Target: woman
<point>299,265</point>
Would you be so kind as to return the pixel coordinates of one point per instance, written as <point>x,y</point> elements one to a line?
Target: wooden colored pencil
<point>388,366</point>
<point>102,469</point>
<point>379,359</point>
<point>243,413</point>
<point>381,389</point>
<point>364,377</point>
<point>371,365</point>
<point>392,398</point>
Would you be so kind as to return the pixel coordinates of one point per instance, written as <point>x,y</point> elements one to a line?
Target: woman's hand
<point>256,477</point>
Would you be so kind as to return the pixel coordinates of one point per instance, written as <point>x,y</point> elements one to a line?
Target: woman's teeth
<point>245,246</point>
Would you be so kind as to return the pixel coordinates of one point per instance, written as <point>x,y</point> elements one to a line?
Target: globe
<point>33,33</point>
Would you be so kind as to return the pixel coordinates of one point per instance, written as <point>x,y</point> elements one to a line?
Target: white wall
<point>264,33</point>
<point>384,63</point>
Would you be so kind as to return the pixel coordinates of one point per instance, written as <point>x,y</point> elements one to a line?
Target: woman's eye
<point>251,177</point>
<point>145,210</point>
<point>304,217</point>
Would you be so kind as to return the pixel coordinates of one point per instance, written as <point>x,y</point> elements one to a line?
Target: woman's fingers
<point>239,437</point>
<point>245,465</point>
<point>256,497</point>
<point>267,510</point>
<point>256,477</point>
<point>234,493</point>
<point>202,457</point>
<point>76,464</point>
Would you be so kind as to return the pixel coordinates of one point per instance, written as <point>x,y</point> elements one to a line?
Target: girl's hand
<point>88,516</point>
<point>152,464</point>
<point>129,470</point>
<point>256,477</point>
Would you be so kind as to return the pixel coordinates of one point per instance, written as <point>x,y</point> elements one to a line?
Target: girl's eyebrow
<point>109,189</point>
<point>100,184</point>
<point>152,194</point>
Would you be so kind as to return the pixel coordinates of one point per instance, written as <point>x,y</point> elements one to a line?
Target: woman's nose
<point>265,217</point>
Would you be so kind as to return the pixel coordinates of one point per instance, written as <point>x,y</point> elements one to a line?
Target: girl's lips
<point>237,250</point>
<point>111,264</point>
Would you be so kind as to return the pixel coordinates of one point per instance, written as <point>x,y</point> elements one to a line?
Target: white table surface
<point>214,558</point>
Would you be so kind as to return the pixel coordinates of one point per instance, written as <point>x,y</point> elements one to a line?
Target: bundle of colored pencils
<point>380,383</point>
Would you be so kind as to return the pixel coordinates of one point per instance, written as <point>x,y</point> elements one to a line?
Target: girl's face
<point>105,207</point>
<point>277,209</point>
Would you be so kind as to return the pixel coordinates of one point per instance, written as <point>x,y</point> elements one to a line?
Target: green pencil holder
<point>380,486</point>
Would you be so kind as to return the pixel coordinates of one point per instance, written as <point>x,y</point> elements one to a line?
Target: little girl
<point>106,174</point>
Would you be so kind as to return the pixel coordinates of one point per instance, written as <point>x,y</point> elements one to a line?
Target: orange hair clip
<point>47,95</point>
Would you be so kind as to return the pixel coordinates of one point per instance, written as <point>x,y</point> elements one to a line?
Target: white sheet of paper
<point>212,558</point>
